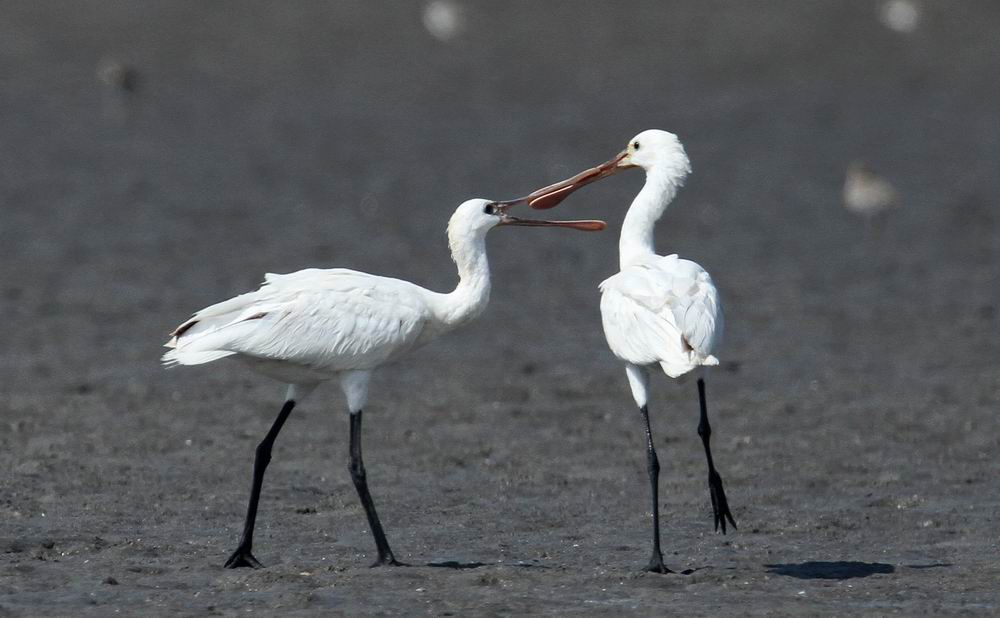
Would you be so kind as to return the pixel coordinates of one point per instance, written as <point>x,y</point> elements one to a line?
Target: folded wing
<point>664,310</point>
<point>332,319</point>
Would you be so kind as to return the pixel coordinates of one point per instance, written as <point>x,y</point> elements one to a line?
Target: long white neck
<point>472,293</point>
<point>636,242</point>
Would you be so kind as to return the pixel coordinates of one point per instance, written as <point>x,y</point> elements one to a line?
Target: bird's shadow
<point>933,565</point>
<point>843,569</point>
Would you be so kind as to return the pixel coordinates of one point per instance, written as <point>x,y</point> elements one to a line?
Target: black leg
<point>385,557</point>
<point>653,467</point>
<point>243,557</point>
<point>720,506</point>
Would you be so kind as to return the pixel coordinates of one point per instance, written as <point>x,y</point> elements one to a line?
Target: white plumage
<point>314,325</point>
<point>319,322</point>
<point>662,310</point>
<point>657,311</point>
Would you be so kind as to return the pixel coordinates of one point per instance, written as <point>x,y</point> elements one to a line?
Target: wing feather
<point>331,319</point>
<point>663,310</point>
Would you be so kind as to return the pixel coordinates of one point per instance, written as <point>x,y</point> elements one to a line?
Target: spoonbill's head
<point>478,216</point>
<point>653,150</point>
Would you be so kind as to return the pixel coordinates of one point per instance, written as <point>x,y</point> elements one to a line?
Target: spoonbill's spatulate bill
<point>314,325</point>
<point>658,312</point>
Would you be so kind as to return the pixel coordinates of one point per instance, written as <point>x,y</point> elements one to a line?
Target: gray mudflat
<point>855,412</point>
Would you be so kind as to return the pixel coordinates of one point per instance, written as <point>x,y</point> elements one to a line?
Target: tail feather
<point>180,357</point>
<point>675,370</point>
<point>213,332</point>
<point>207,340</point>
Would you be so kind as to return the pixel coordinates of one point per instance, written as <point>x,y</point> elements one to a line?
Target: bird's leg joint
<point>652,461</point>
<point>704,429</point>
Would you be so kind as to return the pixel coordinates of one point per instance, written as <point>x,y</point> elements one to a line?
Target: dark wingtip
<point>183,328</point>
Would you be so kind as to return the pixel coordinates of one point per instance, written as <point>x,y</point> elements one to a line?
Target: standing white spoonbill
<point>314,325</point>
<point>657,311</point>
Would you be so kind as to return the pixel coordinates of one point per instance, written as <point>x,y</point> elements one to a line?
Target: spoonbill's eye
<point>635,145</point>
<point>490,209</point>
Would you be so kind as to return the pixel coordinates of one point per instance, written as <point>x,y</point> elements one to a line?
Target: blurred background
<point>156,157</point>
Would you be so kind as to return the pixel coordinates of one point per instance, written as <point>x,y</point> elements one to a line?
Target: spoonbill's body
<point>315,325</point>
<point>658,312</point>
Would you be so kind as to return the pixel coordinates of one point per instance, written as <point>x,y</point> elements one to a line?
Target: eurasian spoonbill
<point>314,325</point>
<point>657,311</point>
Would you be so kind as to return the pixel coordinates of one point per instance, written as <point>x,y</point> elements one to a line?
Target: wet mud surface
<point>854,413</point>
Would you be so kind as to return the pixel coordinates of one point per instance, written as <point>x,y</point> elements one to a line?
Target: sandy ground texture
<point>156,157</point>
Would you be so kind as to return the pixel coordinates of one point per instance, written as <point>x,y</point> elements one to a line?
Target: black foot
<point>720,507</point>
<point>243,558</point>
<point>388,561</point>
<point>656,565</point>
